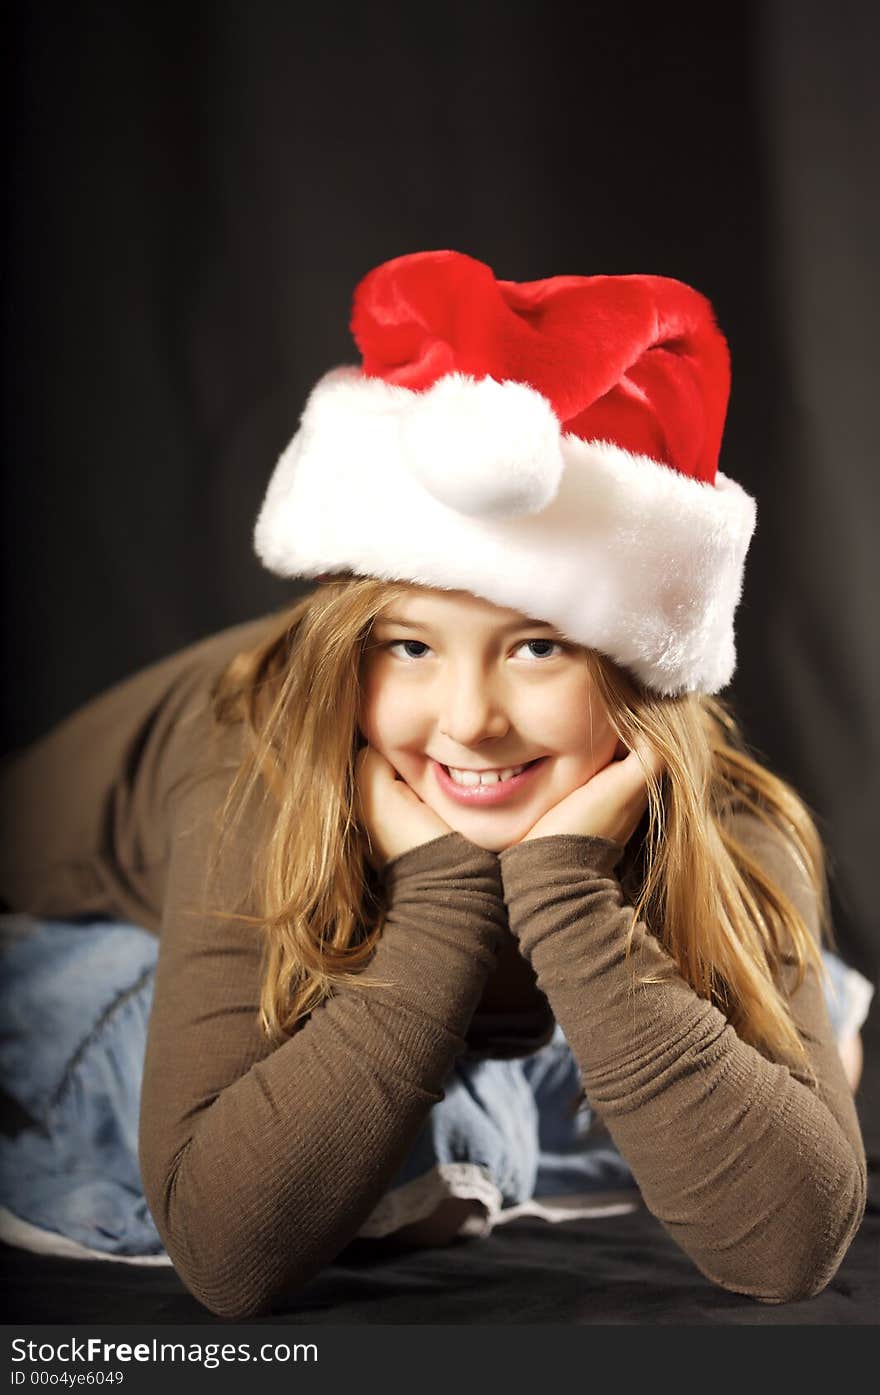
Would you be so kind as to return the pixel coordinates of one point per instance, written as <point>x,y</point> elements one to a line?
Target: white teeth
<point>485,777</point>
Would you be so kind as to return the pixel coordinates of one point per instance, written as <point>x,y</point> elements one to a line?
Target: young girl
<point>466,889</point>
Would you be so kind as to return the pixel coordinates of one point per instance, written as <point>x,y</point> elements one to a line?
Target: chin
<point>496,844</point>
<point>483,834</point>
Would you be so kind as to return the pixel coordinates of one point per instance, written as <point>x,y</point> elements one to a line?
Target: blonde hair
<point>728,928</point>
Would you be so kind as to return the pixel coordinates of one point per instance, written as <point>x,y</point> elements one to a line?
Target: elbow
<point>802,1264</point>
<point>212,1269</point>
<point>214,1273</point>
<point>205,1269</point>
<point>796,1284</point>
<point>224,1294</point>
<point>227,1302</point>
<point>231,1305</point>
<point>824,1249</point>
<point>227,1258</point>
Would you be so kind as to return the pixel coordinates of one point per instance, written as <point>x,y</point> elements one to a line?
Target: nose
<point>471,709</point>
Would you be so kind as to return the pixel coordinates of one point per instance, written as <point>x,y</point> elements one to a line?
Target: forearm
<point>283,1162</point>
<point>743,1163</point>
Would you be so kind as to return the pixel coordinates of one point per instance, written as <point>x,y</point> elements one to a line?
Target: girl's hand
<point>390,812</point>
<point>609,805</point>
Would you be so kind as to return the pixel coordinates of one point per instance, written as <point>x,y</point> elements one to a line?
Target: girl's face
<point>449,679</point>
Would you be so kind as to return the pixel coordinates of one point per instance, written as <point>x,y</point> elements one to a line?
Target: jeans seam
<point>92,1035</point>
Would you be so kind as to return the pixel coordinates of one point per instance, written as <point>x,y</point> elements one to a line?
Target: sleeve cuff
<point>451,854</point>
<point>561,850</point>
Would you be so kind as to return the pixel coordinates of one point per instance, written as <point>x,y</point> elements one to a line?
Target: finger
<point>368,775</point>
<point>371,768</point>
<point>362,771</point>
<point>636,771</point>
<point>644,755</point>
<point>375,766</point>
<point>365,802</point>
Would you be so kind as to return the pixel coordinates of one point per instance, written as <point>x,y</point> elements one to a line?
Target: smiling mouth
<point>489,775</point>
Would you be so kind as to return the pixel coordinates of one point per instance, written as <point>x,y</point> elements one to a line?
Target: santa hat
<point>551,446</point>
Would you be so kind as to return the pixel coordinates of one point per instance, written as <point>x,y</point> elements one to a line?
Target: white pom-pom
<point>483,448</point>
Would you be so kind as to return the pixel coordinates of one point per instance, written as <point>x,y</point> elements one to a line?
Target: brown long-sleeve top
<point>260,1164</point>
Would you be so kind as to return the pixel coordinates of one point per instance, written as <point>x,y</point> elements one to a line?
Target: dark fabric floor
<point>621,1270</point>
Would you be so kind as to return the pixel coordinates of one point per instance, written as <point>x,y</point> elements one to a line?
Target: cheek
<point>574,724</point>
<point>369,705</point>
<point>386,715</point>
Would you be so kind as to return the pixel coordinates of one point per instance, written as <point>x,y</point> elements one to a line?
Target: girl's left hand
<point>609,805</point>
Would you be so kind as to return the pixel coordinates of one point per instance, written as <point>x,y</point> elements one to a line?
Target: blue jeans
<point>74,1006</point>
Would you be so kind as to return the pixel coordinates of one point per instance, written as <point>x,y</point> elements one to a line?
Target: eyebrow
<point>526,624</point>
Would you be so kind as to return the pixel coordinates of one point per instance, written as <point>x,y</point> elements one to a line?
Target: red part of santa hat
<point>636,360</point>
<point>551,446</point>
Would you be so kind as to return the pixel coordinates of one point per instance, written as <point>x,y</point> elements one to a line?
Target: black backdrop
<point>194,191</point>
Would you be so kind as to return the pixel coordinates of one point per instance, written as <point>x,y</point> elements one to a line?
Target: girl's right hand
<point>390,812</point>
